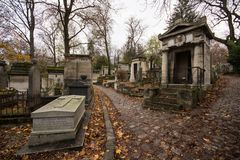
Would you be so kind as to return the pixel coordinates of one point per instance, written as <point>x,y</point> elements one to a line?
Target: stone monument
<point>57,121</point>
<point>78,76</point>
<point>186,66</point>
<point>138,68</point>
<point>19,75</point>
<point>34,90</point>
<point>186,57</point>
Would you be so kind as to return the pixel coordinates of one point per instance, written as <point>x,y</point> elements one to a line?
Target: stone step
<point>167,95</point>
<point>161,105</point>
<point>179,86</point>
<point>165,100</point>
<point>168,90</point>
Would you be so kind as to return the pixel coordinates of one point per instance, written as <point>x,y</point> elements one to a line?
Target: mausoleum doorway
<point>182,68</point>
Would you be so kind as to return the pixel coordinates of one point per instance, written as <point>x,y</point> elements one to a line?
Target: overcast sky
<point>135,8</point>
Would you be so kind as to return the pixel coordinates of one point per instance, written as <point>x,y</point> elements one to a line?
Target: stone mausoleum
<point>185,54</point>
<point>186,66</point>
<point>138,68</point>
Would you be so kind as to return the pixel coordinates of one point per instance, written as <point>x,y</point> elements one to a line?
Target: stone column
<point>132,78</point>
<point>207,65</point>
<point>34,86</point>
<point>164,68</point>
<point>144,69</point>
<point>3,75</point>
<point>197,62</point>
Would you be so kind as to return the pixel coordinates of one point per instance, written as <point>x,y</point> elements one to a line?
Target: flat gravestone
<point>58,125</point>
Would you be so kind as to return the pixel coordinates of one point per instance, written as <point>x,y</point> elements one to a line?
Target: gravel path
<point>203,133</point>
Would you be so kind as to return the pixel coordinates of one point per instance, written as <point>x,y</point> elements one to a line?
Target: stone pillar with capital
<point>164,68</point>
<point>132,77</point>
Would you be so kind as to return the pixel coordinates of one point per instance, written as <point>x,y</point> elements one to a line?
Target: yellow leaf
<point>82,153</point>
<point>118,151</point>
<point>120,134</point>
<point>95,157</point>
<point>206,140</point>
<point>25,157</point>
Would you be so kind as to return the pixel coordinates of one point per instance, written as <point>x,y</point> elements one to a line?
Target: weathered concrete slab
<point>58,120</point>
<point>63,145</point>
<point>78,76</point>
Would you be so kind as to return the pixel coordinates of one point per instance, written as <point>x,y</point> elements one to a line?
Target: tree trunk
<point>108,56</point>
<point>55,59</point>
<point>66,41</point>
<point>32,43</point>
<point>31,29</point>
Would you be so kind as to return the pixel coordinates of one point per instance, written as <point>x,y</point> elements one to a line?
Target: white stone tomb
<point>57,121</point>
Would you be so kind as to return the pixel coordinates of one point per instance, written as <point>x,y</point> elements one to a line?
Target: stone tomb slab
<point>57,120</point>
<point>58,125</point>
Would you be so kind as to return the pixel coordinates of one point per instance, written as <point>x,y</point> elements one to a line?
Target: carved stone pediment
<point>180,39</point>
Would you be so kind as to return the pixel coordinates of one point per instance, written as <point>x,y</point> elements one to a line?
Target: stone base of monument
<point>58,125</point>
<point>79,87</point>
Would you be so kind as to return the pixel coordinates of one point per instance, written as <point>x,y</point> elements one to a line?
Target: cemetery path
<point>210,131</point>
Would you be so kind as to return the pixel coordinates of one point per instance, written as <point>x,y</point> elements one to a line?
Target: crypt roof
<point>187,27</point>
<point>139,56</point>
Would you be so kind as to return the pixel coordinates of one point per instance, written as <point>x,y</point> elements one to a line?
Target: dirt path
<point>207,132</point>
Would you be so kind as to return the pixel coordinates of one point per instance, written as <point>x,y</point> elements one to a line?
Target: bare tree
<point>219,53</point>
<point>101,22</point>
<point>161,6</point>
<point>135,32</point>
<point>70,12</point>
<point>224,11</point>
<point>19,16</point>
<point>49,37</point>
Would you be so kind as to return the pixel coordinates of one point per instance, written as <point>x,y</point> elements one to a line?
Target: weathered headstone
<point>57,121</point>
<point>19,75</point>
<point>52,84</point>
<point>3,75</point>
<point>78,76</point>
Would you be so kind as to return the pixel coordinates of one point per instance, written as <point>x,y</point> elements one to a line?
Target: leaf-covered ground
<point>210,131</point>
<point>14,136</point>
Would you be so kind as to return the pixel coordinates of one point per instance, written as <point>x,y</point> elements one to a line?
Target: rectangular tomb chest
<point>58,120</point>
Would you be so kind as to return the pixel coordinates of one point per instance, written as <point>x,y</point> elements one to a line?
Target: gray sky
<point>138,9</point>
<point>154,22</point>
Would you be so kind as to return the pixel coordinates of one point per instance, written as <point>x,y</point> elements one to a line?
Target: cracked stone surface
<point>206,132</point>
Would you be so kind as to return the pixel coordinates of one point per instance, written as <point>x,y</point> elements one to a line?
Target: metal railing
<point>200,75</point>
<point>13,104</point>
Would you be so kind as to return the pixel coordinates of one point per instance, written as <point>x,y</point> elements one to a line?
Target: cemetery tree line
<point>19,17</point>
<point>92,19</point>
<point>71,18</point>
<point>220,11</point>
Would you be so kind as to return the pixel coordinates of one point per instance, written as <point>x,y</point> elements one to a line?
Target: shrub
<point>234,55</point>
